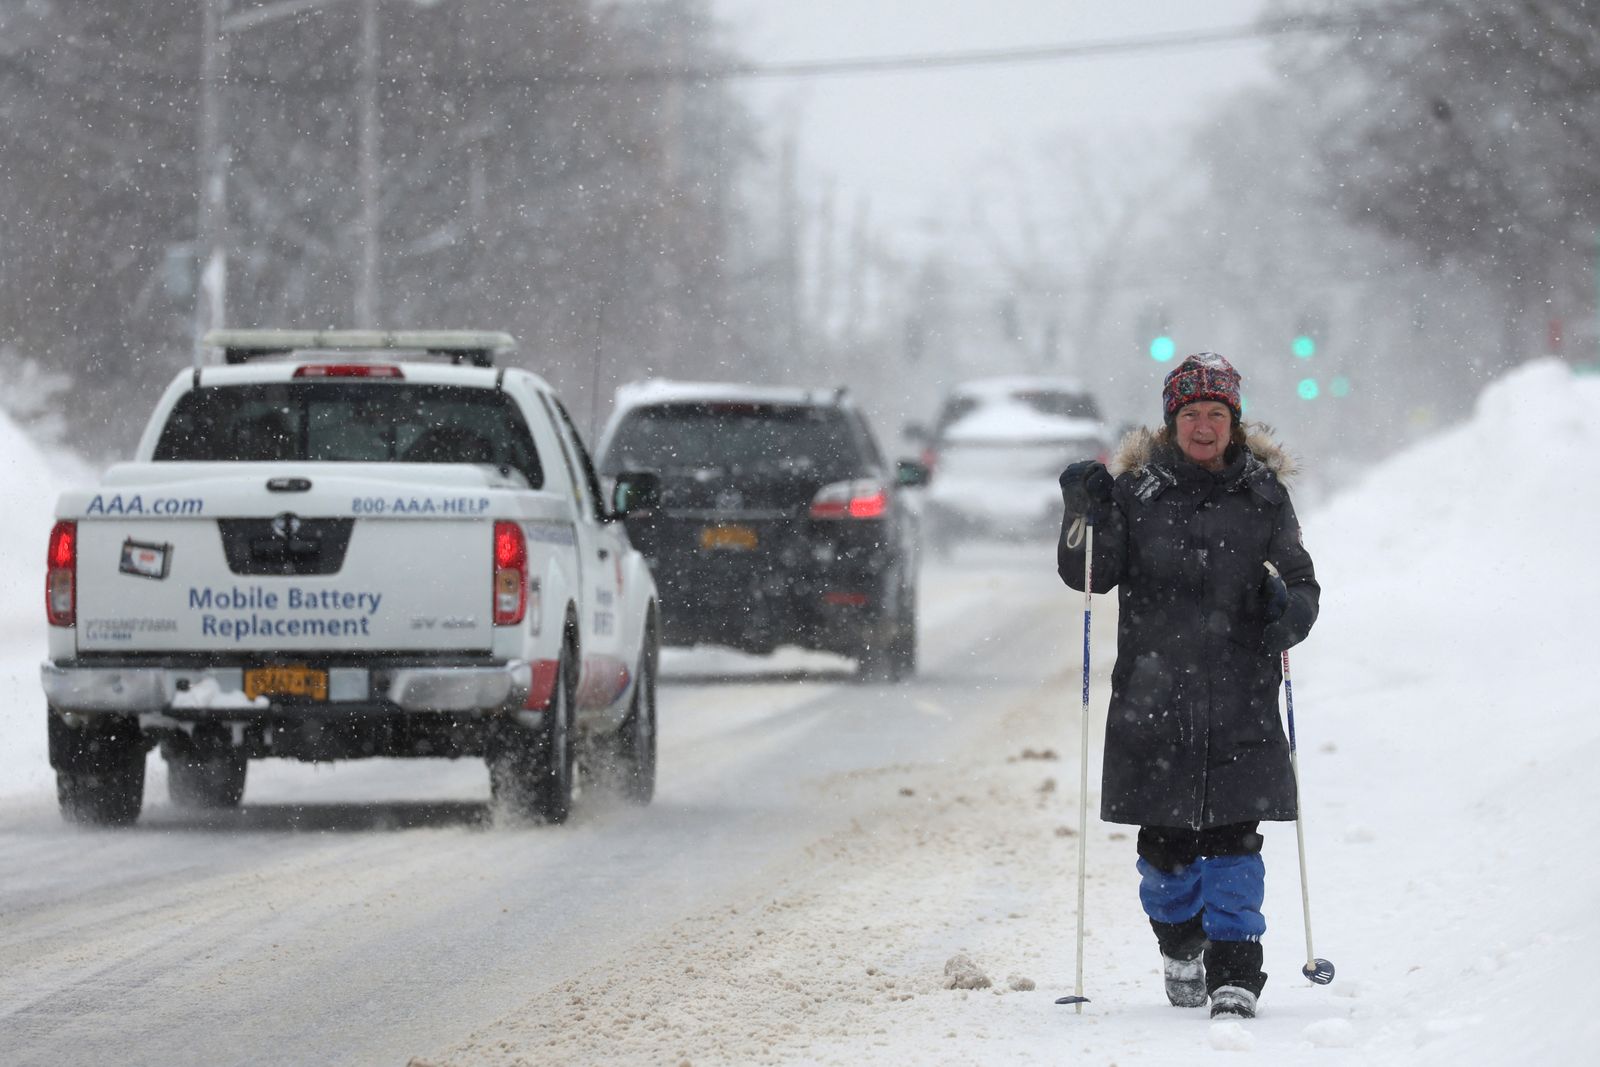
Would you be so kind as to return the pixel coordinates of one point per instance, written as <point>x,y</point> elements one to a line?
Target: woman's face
<point>1204,429</point>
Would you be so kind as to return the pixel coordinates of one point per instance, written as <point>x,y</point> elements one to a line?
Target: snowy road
<point>371,913</point>
<point>821,850</point>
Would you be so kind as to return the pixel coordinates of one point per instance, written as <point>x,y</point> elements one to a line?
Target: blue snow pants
<point>1216,874</point>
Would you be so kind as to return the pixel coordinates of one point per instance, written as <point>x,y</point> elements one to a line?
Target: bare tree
<point>1467,130</point>
<point>538,171</point>
<point>1061,225</point>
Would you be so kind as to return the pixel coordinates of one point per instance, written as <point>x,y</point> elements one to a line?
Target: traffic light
<point>1309,332</point>
<point>1339,387</point>
<point>1155,333</point>
<point>1308,389</point>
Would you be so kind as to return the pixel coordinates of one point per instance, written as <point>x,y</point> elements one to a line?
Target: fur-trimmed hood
<point>1143,446</point>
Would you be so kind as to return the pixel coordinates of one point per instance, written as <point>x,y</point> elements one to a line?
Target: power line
<point>823,68</point>
<point>984,57</point>
<point>931,61</point>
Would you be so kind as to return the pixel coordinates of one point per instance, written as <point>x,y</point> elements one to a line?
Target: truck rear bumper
<point>444,688</point>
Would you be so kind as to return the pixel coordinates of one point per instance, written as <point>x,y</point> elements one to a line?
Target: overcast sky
<point>911,140</point>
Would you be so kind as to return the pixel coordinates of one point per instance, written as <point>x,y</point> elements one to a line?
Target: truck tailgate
<point>248,575</point>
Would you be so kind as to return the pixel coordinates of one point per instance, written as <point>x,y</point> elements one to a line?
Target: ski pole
<point>1317,970</point>
<point>1078,1000</point>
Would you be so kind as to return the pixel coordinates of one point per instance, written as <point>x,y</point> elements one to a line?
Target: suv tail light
<point>61,576</point>
<point>347,370</point>
<point>864,498</point>
<point>510,574</point>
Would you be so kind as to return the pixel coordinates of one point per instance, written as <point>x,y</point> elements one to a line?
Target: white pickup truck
<point>348,544</point>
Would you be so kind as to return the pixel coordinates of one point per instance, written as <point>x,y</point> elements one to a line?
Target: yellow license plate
<point>728,536</point>
<point>308,683</point>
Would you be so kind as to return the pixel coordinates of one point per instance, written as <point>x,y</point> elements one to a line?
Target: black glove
<point>1274,598</point>
<point>1084,483</point>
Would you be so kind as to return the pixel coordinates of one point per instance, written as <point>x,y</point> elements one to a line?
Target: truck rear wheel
<point>557,765</point>
<point>99,770</point>
<point>531,772</point>
<point>217,782</point>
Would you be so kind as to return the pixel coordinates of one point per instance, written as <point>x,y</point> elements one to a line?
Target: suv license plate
<point>728,535</point>
<point>308,683</point>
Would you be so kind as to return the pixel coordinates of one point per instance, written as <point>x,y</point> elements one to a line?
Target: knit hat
<point>1202,376</point>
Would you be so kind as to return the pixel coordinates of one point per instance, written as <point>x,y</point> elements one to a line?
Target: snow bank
<point>29,482</point>
<point>1477,546</point>
<point>29,490</point>
<point>1448,739</point>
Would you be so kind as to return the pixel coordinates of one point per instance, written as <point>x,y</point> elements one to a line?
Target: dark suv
<point>779,520</point>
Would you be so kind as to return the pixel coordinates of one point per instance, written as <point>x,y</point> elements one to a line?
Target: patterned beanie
<point>1202,376</point>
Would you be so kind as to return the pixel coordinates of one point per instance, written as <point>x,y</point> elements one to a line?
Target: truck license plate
<point>727,535</point>
<point>308,683</point>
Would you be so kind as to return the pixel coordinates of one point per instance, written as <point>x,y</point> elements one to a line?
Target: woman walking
<point>1185,522</point>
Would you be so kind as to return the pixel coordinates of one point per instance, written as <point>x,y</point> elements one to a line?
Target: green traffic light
<point>1163,348</point>
<point>1304,346</point>
<point>1307,389</point>
<point>1339,387</point>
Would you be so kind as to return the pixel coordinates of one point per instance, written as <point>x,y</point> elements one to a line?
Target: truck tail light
<point>864,498</point>
<point>61,576</point>
<point>510,574</point>
<point>348,370</point>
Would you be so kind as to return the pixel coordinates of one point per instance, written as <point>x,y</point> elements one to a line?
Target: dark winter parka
<point>1194,738</point>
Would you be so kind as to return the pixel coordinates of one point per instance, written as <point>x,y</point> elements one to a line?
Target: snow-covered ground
<point>1448,740</point>
<point>29,482</point>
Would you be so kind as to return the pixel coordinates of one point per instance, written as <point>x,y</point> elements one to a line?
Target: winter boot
<point>1182,964</point>
<point>1233,1002</point>
<point>1186,981</point>
<point>1235,977</point>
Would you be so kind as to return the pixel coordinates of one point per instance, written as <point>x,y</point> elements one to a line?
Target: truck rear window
<point>334,422</point>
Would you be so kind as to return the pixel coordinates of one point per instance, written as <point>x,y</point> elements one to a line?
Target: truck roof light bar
<point>472,347</point>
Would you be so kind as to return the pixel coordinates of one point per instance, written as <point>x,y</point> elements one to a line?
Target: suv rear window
<point>736,436</point>
<point>1057,402</point>
<point>349,422</point>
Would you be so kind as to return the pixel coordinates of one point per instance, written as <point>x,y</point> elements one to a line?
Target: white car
<point>342,545</point>
<point>998,451</point>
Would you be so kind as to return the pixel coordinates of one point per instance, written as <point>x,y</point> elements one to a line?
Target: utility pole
<point>673,23</point>
<point>789,255</point>
<point>211,224</point>
<point>1594,353</point>
<point>211,294</point>
<point>366,301</point>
